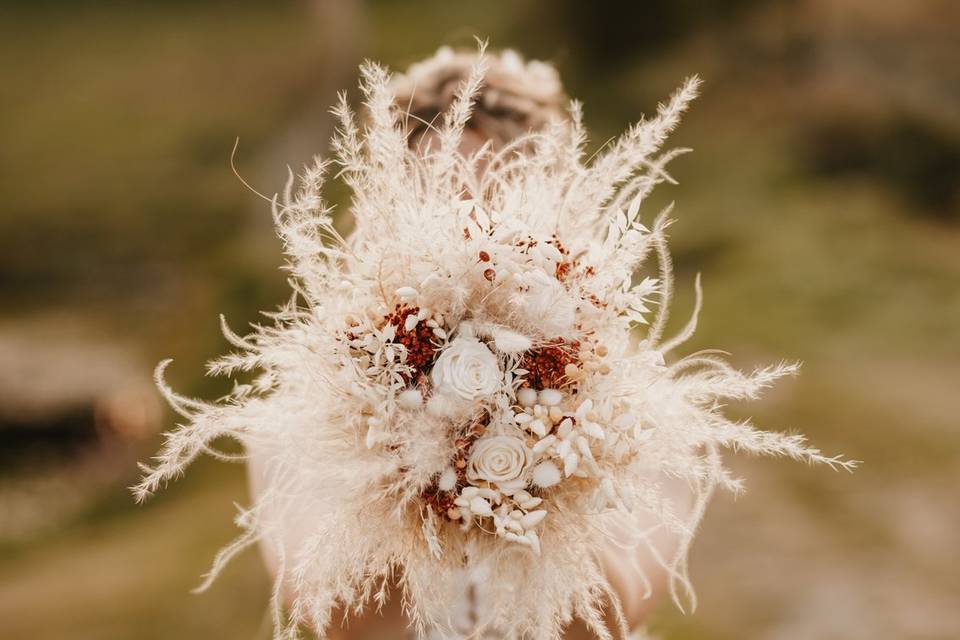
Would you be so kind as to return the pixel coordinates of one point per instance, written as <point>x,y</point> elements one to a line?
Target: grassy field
<point>122,222</point>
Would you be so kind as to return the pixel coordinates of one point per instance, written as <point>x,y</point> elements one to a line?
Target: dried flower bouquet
<point>476,377</point>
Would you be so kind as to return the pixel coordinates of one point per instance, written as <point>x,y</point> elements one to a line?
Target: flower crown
<point>477,376</point>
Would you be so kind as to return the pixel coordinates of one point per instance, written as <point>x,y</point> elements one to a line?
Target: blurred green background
<point>822,204</point>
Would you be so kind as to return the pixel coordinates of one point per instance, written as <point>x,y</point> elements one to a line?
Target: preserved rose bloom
<point>498,459</point>
<point>468,369</point>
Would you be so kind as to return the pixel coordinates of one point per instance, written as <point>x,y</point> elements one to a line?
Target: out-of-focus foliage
<point>821,203</point>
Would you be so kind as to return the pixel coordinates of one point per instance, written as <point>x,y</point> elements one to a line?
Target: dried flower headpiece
<point>458,383</point>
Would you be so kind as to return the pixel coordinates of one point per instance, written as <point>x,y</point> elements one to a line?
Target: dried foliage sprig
<point>458,384</point>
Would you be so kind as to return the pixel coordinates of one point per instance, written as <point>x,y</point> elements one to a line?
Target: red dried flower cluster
<point>421,350</point>
<point>546,365</point>
<point>442,501</point>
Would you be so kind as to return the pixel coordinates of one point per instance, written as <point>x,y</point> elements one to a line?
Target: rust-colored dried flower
<point>418,341</point>
<point>547,365</point>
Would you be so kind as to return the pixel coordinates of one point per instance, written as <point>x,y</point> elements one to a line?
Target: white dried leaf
<point>571,462</point>
<point>533,518</point>
<point>480,507</point>
<point>410,323</point>
<point>508,341</point>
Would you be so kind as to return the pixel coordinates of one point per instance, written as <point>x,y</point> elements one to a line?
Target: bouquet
<point>477,378</point>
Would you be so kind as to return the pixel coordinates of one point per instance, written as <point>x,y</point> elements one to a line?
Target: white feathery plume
<point>455,386</point>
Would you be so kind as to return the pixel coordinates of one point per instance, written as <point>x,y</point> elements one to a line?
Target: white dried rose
<point>468,369</point>
<point>498,459</point>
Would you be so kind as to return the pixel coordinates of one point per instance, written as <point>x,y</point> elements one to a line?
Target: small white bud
<point>570,463</point>
<point>531,503</point>
<point>534,541</point>
<point>538,427</point>
<point>584,447</point>
<point>584,407</point>
<point>489,494</point>
<point>546,474</point>
<point>480,507</point>
<point>592,429</point>
<point>556,415</point>
<point>508,341</point>
<point>544,444</point>
<point>527,397</point>
<point>410,399</point>
<point>448,479</point>
<point>551,397</point>
<point>514,525</point>
<point>533,518</point>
